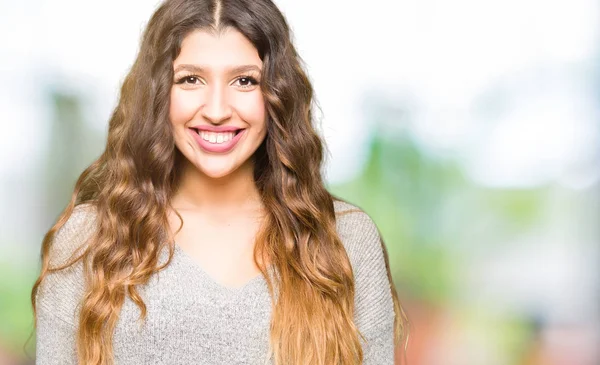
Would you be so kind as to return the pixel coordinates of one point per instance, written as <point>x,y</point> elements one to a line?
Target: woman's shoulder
<point>356,228</point>
<point>366,252</point>
<point>73,235</point>
<point>359,235</point>
<point>60,291</point>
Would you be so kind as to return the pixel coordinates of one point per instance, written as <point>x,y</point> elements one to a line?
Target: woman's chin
<point>215,172</point>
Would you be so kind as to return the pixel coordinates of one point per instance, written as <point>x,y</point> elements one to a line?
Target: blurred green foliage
<point>16,316</point>
<point>425,207</point>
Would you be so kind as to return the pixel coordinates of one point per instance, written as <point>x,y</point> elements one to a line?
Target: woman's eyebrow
<point>230,70</point>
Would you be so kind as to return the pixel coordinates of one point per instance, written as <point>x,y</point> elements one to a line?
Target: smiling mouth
<point>234,132</point>
<point>217,137</point>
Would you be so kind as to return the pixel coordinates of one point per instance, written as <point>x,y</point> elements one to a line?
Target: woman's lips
<point>222,147</point>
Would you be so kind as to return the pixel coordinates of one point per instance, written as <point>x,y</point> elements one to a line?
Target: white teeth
<point>217,138</point>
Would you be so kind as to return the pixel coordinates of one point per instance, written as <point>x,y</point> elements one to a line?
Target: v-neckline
<point>214,283</point>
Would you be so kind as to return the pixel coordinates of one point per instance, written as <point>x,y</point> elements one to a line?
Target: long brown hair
<point>131,185</point>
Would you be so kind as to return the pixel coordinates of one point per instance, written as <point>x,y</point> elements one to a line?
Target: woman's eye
<point>188,80</point>
<point>191,79</point>
<point>246,82</point>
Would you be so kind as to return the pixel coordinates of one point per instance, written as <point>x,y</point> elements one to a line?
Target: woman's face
<point>217,107</point>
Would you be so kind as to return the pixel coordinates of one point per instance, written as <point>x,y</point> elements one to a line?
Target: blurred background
<point>468,130</point>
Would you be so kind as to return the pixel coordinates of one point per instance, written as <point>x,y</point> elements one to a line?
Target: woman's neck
<point>229,194</point>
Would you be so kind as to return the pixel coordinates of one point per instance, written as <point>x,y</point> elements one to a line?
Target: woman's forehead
<point>220,51</point>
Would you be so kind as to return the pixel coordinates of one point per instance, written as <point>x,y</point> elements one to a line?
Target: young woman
<point>203,234</point>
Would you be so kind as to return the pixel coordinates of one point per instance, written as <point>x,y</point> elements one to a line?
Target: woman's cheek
<point>183,106</point>
<point>252,107</point>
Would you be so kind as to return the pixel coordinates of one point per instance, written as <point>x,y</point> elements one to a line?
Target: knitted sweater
<point>191,318</point>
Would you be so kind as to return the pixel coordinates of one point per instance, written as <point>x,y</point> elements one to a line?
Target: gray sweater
<point>194,320</point>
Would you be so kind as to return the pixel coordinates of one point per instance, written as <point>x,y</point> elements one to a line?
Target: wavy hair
<point>132,182</point>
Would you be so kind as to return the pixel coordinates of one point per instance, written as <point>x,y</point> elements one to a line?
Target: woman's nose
<point>216,107</point>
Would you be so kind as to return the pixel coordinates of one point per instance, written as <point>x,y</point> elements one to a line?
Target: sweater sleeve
<point>374,306</point>
<point>59,294</point>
